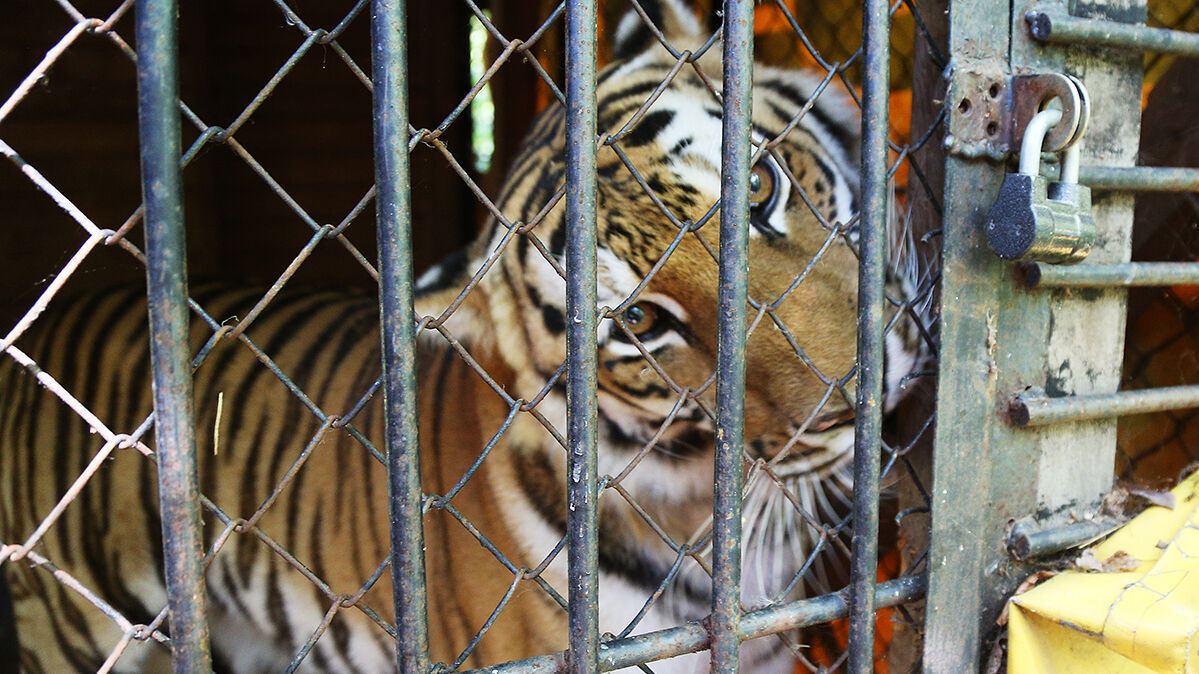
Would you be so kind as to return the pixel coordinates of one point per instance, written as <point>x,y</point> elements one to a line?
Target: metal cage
<point>1002,455</point>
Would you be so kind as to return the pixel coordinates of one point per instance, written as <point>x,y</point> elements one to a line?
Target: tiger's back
<point>323,503</point>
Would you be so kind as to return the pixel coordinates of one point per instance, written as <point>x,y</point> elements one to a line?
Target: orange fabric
<point>769,19</point>
<point>1188,295</point>
<point>900,113</point>
<point>825,654</point>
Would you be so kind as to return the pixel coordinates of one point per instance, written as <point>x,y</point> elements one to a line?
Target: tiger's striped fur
<point>332,513</point>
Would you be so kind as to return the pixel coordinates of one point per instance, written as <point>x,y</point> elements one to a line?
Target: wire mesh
<point>332,428</point>
<point>1174,15</point>
<point>1160,345</point>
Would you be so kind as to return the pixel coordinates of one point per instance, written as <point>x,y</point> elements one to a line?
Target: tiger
<point>493,472</point>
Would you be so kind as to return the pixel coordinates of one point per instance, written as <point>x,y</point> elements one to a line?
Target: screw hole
<point>993,92</point>
<point>964,106</point>
<point>992,128</point>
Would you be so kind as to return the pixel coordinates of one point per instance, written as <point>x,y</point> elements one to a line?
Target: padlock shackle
<point>1070,163</point>
<point>1034,139</point>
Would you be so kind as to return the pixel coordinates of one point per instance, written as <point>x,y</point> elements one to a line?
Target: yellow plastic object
<point>1144,620</point>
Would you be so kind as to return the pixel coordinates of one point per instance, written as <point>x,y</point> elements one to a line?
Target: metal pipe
<point>876,42</point>
<point>693,637</point>
<point>1126,275</point>
<point>581,422</point>
<point>393,209</point>
<point>1140,178</point>
<point>1055,25</point>
<point>1025,543</point>
<point>166,283</point>
<point>725,621</point>
<point>1034,408</point>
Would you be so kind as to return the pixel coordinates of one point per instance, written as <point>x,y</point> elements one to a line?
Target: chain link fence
<point>1161,348</point>
<point>279,190</point>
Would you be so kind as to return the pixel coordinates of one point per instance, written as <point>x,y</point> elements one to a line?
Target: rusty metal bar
<point>1052,23</point>
<point>1126,275</point>
<point>1140,178</point>
<point>876,41</point>
<point>398,331</point>
<point>1027,543</point>
<point>166,282</point>
<point>1034,408</point>
<point>693,637</point>
<point>581,377</point>
<point>725,622</point>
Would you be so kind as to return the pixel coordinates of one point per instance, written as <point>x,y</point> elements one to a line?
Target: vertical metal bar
<point>166,282</point>
<point>581,494</point>
<point>730,344</point>
<point>876,39</point>
<point>959,539</point>
<point>389,72</point>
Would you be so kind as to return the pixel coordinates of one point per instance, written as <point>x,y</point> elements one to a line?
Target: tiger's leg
<point>262,611</point>
<point>57,630</point>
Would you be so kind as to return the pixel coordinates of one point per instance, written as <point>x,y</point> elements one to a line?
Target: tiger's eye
<point>761,185</point>
<point>639,317</point>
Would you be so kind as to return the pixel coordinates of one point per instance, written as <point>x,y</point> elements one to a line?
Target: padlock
<point>1036,220</point>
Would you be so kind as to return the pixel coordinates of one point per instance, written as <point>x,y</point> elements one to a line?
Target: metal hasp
<point>993,110</point>
<point>1034,408</point>
<point>1128,275</point>
<point>1053,23</point>
<point>1034,219</point>
<point>166,282</point>
<point>1029,95</point>
<point>1027,542</point>
<point>397,328</point>
<point>996,337</point>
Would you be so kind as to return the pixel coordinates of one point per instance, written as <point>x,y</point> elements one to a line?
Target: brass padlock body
<point>1033,220</point>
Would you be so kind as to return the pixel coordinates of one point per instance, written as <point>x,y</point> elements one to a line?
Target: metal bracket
<point>1031,93</point>
<point>989,111</point>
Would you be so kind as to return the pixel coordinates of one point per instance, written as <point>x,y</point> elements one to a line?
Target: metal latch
<point>991,110</point>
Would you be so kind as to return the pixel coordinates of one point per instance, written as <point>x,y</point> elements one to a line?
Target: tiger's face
<point>802,275</point>
<point>658,233</point>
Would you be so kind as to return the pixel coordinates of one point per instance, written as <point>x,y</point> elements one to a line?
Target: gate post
<point>998,339</point>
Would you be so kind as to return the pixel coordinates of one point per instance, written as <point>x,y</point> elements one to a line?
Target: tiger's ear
<point>674,18</point>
